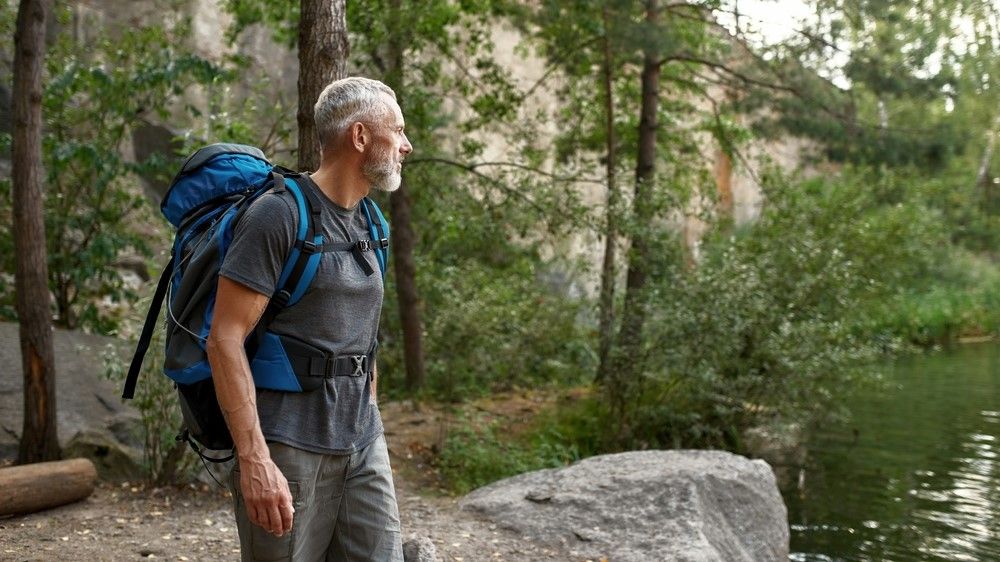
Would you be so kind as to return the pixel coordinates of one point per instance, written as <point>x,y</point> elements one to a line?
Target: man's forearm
<point>237,396</point>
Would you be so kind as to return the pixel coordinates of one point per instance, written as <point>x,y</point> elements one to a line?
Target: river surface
<point>914,473</point>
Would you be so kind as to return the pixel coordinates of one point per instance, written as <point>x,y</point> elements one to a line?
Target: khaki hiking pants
<point>345,508</point>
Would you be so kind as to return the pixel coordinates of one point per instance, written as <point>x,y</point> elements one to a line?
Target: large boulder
<point>91,419</point>
<point>646,505</point>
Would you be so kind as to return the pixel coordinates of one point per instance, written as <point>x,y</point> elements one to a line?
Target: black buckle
<point>365,245</point>
<point>282,297</point>
<point>359,362</point>
<point>383,243</point>
<point>309,247</point>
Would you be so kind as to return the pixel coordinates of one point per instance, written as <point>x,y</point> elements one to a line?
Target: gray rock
<point>148,140</point>
<point>86,402</point>
<point>646,505</point>
<point>113,460</point>
<point>419,549</point>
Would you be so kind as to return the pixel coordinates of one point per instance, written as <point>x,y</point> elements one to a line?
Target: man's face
<point>383,164</point>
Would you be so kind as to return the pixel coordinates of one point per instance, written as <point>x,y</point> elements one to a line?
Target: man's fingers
<point>286,516</point>
<point>263,519</point>
<point>254,514</point>
<point>274,520</point>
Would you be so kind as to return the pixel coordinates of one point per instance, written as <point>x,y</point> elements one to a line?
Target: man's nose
<point>407,147</point>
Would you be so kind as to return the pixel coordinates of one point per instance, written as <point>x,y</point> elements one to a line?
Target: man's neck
<point>341,183</point>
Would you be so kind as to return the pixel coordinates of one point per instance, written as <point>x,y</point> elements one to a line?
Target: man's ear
<point>360,136</point>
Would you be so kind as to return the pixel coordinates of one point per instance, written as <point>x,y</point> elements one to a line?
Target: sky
<point>770,21</point>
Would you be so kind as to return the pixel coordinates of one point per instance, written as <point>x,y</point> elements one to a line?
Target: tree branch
<point>471,168</point>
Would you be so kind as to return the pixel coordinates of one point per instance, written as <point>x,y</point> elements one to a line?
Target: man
<point>312,479</point>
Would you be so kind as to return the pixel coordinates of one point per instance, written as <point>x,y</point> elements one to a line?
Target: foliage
<point>496,314</point>
<point>95,213</point>
<point>281,17</point>
<point>963,303</point>
<point>763,326</point>
<point>884,82</point>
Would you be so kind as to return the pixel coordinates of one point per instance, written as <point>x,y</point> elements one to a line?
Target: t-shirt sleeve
<point>262,240</point>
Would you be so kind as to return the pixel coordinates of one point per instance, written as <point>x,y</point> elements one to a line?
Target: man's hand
<point>268,500</point>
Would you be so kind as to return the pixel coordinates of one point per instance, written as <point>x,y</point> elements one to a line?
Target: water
<point>914,474</point>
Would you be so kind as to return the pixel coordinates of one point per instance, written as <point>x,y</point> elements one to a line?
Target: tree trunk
<point>403,237</point>
<point>39,441</point>
<point>406,285</point>
<point>628,358</point>
<point>607,299</point>
<point>33,487</point>
<point>323,52</point>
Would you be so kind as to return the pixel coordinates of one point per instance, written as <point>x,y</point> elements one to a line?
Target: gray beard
<point>382,175</point>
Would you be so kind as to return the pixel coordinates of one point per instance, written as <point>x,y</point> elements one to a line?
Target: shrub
<point>767,323</point>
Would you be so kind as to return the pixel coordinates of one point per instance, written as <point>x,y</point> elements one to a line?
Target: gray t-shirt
<point>339,313</point>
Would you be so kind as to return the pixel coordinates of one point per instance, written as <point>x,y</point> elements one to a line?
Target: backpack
<point>205,201</point>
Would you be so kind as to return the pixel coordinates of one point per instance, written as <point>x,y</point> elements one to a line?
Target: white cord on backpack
<point>170,308</point>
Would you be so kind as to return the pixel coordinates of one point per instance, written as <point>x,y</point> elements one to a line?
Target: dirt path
<point>132,522</point>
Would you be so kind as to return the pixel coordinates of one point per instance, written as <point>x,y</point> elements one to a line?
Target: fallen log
<point>33,487</point>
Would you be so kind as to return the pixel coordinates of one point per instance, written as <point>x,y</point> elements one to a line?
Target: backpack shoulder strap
<point>302,263</point>
<point>378,227</point>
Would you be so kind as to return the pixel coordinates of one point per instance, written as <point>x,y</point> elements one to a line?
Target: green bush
<point>764,325</point>
<point>964,303</point>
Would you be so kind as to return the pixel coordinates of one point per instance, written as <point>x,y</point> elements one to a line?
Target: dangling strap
<point>147,330</point>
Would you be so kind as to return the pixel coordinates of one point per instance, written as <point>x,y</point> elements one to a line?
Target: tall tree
<point>401,209</point>
<point>39,438</point>
<point>606,306</point>
<point>643,210</point>
<point>323,52</point>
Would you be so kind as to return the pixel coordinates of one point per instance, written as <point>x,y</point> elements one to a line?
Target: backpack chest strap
<point>357,249</point>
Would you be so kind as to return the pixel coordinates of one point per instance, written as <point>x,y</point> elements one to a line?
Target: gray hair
<point>346,101</point>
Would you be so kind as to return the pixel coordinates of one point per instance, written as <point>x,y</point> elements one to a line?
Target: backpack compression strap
<point>147,330</point>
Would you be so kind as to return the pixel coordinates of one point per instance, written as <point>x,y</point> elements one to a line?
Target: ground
<point>129,521</point>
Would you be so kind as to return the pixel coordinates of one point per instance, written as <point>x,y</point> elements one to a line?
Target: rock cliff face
<point>646,505</point>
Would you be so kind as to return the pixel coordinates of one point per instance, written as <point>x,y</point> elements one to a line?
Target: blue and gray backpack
<point>205,201</point>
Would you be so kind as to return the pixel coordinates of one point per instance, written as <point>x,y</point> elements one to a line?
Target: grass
<point>487,448</point>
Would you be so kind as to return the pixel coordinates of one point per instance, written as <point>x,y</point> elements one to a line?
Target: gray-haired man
<point>312,479</point>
